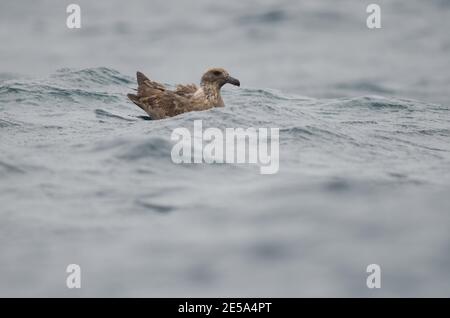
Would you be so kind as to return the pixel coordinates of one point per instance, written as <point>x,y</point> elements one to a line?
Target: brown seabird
<point>159,102</point>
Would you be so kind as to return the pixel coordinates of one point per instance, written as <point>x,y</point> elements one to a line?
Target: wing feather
<point>186,90</point>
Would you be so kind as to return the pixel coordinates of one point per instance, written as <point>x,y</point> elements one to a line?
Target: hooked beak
<point>233,81</point>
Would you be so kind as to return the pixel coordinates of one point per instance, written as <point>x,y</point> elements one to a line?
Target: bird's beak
<point>233,81</point>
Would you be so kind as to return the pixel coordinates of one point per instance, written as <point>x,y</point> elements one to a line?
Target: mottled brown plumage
<point>159,102</point>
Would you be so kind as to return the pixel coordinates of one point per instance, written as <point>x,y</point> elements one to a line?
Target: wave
<point>67,85</point>
<point>7,123</point>
<point>153,147</point>
<point>33,93</point>
<point>107,115</point>
<point>92,76</point>
<point>8,168</point>
<point>133,149</point>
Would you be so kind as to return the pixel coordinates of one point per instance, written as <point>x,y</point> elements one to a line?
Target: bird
<point>159,102</point>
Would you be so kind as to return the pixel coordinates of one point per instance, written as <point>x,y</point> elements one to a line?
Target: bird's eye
<point>217,73</point>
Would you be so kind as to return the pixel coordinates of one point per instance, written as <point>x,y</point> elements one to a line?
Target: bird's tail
<point>132,97</point>
<point>135,99</point>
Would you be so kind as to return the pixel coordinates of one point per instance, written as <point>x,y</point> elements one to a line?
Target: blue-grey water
<point>364,124</point>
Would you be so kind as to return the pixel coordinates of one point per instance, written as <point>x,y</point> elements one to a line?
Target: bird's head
<point>218,77</point>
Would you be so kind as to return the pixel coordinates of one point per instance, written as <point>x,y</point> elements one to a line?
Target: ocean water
<point>364,118</point>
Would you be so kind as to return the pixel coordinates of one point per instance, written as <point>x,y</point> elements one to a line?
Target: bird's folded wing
<point>186,90</point>
<point>162,104</point>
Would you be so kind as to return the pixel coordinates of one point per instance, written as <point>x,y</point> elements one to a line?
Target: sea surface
<point>364,117</point>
